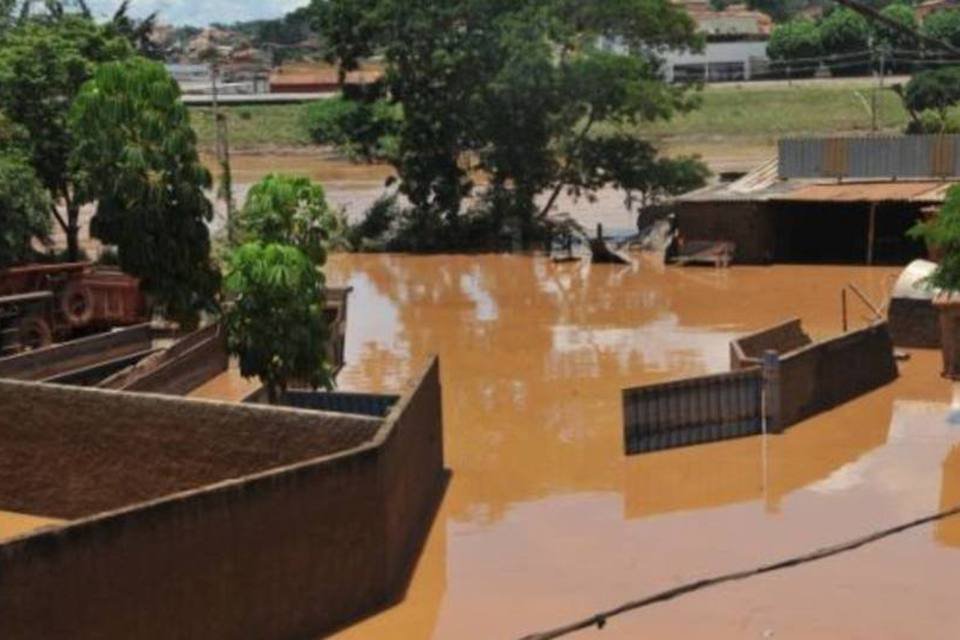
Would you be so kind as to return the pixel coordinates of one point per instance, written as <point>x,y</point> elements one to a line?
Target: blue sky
<point>202,12</point>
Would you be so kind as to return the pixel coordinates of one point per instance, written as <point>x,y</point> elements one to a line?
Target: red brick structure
<point>199,519</point>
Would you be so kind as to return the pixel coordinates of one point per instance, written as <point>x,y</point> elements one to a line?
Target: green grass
<point>254,127</point>
<point>755,113</point>
<point>783,111</point>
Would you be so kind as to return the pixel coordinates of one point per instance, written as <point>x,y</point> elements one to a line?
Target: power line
<point>600,620</point>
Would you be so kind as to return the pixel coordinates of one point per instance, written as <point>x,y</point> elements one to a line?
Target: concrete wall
<point>293,552</point>
<point>826,374</point>
<point>914,323</point>
<point>76,354</point>
<point>747,224</point>
<point>748,351</point>
<point>189,363</point>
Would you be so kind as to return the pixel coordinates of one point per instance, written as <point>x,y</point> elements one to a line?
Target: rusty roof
<point>921,191</point>
<point>323,76</point>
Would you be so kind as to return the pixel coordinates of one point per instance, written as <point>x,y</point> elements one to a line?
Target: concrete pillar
<point>772,392</point>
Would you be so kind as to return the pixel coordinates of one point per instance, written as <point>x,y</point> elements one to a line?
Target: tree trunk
<point>73,231</point>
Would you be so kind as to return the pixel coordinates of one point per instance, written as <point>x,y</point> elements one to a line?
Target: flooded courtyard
<point>546,521</point>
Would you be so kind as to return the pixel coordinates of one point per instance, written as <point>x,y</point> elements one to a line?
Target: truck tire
<point>34,333</point>
<point>76,304</point>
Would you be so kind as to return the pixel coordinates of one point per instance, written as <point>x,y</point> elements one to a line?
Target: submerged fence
<point>920,156</point>
<point>693,411</point>
<point>780,379</point>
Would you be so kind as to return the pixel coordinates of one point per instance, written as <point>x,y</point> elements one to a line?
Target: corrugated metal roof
<point>758,185</point>
<point>875,192</point>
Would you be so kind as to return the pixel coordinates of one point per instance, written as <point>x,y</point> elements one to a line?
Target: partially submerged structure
<point>128,511</point>
<point>778,377</point>
<point>140,358</point>
<point>914,321</point>
<point>162,516</point>
<point>828,200</point>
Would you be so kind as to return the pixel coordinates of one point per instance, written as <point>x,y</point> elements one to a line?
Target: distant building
<point>736,47</point>
<point>317,79</point>
<point>924,9</point>
<point>722,61</point>
<point>735,20</point>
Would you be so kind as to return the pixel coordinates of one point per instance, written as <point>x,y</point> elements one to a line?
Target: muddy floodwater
<point>13,525</point>
<point>546,521</point>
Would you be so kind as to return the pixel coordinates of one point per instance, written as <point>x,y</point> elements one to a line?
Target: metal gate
<point>693,411</point>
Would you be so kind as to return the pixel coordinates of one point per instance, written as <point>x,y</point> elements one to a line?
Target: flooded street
<point>546,521</point>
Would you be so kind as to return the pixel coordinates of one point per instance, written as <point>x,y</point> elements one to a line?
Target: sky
<point>201,12</point>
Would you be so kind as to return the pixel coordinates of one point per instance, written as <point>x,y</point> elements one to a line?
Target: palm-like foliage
<point>275,322</point>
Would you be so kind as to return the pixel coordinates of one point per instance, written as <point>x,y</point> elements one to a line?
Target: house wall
<point>290,553</point>
<point>748,225</point>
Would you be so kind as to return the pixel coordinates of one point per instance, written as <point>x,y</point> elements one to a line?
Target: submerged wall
<point>746,224</point>
<point>799,380</point>
<point>827,374</point>
<point>288,552</point>
<point>59,359</point>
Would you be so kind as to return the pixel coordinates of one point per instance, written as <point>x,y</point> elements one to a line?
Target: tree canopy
<point>934,91</point>
<point>135,155</point>
<point>943,232</point>
<point>24,209</point>
<point>43,64</point>
<point>509,90</point>
<point>290,210</point>
<point>943,25</point>
<point>795,40</point>
<point>275,323</point>
<point>844,31</point>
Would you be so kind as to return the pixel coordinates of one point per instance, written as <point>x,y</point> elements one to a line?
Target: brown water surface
<point>14,524</point>
<point>546,520</point>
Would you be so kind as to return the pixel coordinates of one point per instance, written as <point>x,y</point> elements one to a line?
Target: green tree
<point>933,91</point>
<point>943,232</point>
<point>274,318</point>
<point>844,31</point>
<point>135,155</point>
<point>512,90</point>
<point>795,40</point>
<point>43,64</point>
<point>364,130</point>
<point>24,209</point>
<point>943,25</point>
<point>891,38</point>
<point>290,210</point>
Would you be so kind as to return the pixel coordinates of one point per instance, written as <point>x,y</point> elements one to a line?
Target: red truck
<point>43,302</point>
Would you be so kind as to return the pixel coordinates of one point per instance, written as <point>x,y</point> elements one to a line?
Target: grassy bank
<point>254,127</point>
<point>759,114</point>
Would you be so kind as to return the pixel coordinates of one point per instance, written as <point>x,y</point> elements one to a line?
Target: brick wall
<point>782,338</point>
<point>829,373</point>
<point>76,354</point>
<point>68,452</point>
<point>289,553</point>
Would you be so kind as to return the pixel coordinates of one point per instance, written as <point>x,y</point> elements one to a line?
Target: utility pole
<point>222,145</point>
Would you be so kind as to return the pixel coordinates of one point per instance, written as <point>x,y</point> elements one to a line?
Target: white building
<point>719,61</point>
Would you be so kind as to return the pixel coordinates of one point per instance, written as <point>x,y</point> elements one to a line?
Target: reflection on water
<point>546,520</point>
